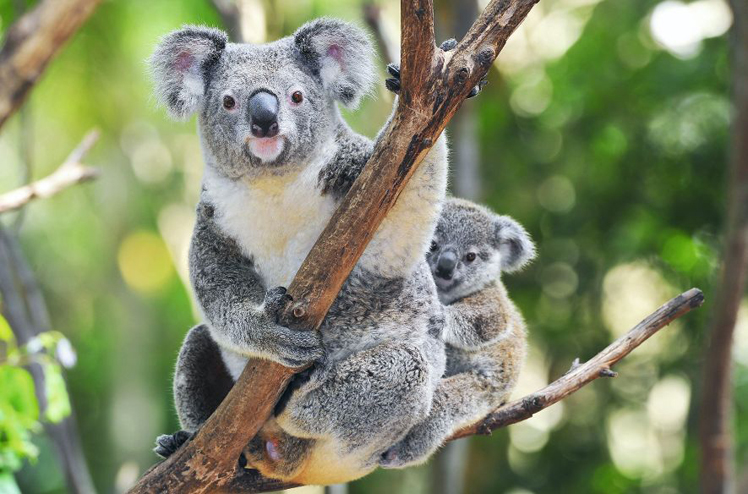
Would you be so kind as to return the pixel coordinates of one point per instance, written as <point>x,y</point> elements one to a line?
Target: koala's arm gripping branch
<point>30,44</point>
<point>434,85</point>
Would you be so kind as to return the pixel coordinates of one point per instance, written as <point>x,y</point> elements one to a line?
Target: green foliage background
<point>612,153</point>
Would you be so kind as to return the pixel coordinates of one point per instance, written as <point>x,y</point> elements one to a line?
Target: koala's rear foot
<point>167,444</point>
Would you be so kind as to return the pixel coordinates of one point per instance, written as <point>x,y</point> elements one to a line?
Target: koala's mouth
<point>266,149</point>
<point>445,285</point>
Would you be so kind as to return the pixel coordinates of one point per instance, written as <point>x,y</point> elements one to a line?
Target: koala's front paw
<point>289,347</point>
<point>167,444</point>
<point>414,449</point>
<point>393,83</point>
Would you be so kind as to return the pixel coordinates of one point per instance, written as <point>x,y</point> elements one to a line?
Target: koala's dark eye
<point>434,246</point>
<point>228,102</point>
<point>297,97</point>
<point>470,257</point>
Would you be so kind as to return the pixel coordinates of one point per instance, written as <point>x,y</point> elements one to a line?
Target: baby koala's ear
<point>179,66</point>
<point>513,242</point>
<point>341,54</point>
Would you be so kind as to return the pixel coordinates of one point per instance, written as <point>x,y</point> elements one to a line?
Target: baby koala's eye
<point>470,257</point>
<point>297,97</point>
<point>228,102</point>
<point>434,246</point>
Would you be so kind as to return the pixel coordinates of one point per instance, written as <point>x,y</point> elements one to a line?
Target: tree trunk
<point>716,414</point>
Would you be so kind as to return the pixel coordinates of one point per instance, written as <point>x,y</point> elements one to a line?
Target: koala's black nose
<point>445,266</point>
<point>263,114</point>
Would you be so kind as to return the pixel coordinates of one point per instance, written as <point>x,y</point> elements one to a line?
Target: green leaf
<point>6,334</point>
<point>8,484</point>
<point>58,403</point>
<point>17,390</point>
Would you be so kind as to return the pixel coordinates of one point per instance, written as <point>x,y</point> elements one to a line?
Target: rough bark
<point>434,84</point>
<point>32,42</point>
<point>716,413</point>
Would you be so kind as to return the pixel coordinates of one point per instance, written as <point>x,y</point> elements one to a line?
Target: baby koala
<point>484,332</point>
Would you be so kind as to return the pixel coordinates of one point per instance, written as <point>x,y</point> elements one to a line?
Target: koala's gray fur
<point>264,203</point>
<point>485,332</point>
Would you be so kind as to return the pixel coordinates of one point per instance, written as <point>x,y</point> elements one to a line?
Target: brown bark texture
<point>434,84</point>
<point>716,411</point>
<point>30,44</point>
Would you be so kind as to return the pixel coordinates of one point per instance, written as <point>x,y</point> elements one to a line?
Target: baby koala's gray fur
<point>263,205</point>
<point>485,332</point>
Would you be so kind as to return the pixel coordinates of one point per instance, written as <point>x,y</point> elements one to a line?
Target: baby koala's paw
<point>168,444</point>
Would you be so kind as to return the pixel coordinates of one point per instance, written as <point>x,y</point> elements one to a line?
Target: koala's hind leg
<point>276,454</point>
<point>460,400</point>
<point>201,382</point>
<point>365,402</point>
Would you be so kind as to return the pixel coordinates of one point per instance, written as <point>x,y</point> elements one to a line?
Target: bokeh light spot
<point>144,262</point>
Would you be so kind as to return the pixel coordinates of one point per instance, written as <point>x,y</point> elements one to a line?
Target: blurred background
<point>604,130</point>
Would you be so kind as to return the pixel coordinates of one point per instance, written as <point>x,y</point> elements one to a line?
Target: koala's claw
<point>477,89</point>
<point>448,44</point>
<point>393,83</point>
<point>276,300</point>
<point>168,444</point>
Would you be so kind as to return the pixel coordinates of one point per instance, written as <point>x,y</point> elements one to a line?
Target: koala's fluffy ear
<point>179,66</point>
<point>514,243</point>
<point>341,54</point>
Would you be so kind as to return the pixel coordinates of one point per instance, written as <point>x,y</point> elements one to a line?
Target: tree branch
<point>373,16</point>
<point>582,374</point>
<point>30,44</point>
<point>432,92</point>
<point>231,17</point>
<point>716,410</point>
<point>27,314</point>
<point>578,376</point>
<point>71,172</point>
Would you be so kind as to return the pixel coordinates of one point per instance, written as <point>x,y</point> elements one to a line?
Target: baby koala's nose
<point>446,265</point>
<point>263,114</point>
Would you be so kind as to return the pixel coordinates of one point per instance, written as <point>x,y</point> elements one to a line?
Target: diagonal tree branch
<point>71,172</point>
<point>30,44</point>
<point>433,89</point>
<point>581,374</point>
<point>577,377</point>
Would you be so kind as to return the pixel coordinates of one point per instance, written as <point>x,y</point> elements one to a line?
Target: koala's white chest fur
<point>274,219</point>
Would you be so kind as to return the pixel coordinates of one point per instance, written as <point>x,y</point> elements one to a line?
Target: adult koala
<point>279,158</point>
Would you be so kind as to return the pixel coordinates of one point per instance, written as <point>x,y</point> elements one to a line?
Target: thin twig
<point>30,44</point>
<point>582,374</point>
<point>71,172</point>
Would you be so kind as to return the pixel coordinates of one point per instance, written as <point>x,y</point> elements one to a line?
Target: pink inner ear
<point>335,52</point>
<point>184,61</point>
